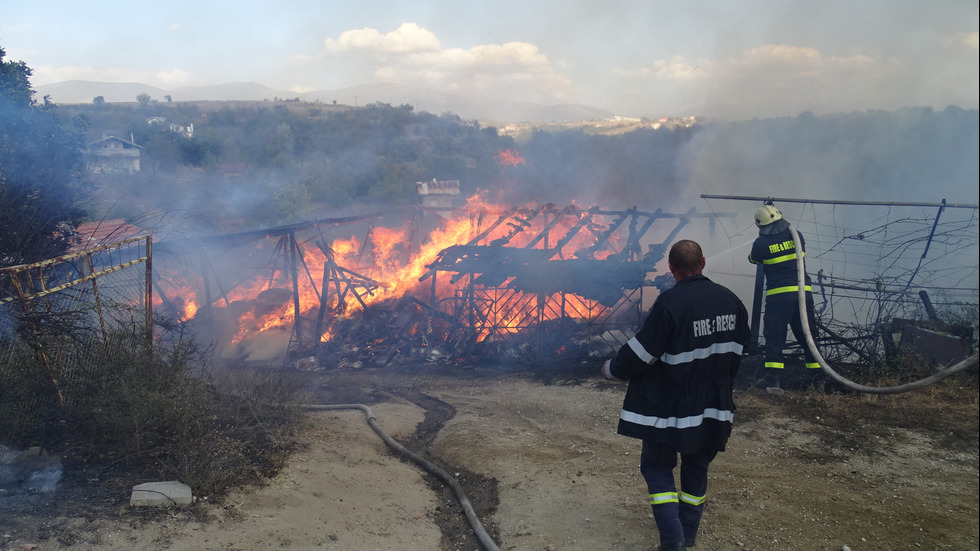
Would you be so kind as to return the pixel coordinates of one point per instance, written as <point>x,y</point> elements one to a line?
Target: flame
<point>183,298</point>
<point>387,258</point>
<point>190,309</point>
<point>509,157</point>
<point>345,248</point>
<point>388,243</point>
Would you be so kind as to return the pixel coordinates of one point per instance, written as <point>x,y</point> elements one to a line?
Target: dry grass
<point>164,416</point>
<point>949,409</point>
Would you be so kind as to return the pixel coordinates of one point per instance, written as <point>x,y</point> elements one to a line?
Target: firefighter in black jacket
<point>681,368</point>
<point>776,251</point>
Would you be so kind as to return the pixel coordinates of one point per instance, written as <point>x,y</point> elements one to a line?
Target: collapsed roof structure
<point>530,283</point>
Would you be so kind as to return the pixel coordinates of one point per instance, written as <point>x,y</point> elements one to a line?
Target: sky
<point>727,59</point>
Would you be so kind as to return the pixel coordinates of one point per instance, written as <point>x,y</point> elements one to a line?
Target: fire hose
<point>485,540</point>
<point>812,346</point>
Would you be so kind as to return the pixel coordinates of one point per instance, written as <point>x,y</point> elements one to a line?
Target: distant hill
<point>467,107</point>
<point>84,91</point>
<point>422,99</point>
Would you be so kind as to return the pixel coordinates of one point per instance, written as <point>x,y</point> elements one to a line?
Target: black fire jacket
<point>681,367</point>
<point>777,254</point>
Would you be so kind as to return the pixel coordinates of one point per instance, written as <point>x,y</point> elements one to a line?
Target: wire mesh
<point>55,317</point>
<point>876,266</point>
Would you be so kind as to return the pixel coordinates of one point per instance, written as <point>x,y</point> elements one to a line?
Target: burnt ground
<point>536,452</point>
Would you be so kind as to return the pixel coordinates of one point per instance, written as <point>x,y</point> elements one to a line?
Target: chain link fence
<point>55,320</point>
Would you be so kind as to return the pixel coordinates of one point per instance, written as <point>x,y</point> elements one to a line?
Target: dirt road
<point>542,464</point>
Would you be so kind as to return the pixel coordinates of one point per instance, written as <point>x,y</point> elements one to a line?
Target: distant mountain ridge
<point>422,99</point>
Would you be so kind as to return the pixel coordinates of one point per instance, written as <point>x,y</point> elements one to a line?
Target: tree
<point>144,100</point>
<point>15,88</point>
<point>41,188</point>
<point>98,101</point>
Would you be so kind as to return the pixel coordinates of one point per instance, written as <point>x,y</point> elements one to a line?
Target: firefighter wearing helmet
<point>775,250</point>
<point>767,214</point>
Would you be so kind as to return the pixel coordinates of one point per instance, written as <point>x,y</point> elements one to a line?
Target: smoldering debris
<point>28,471</point>
<point>407,331</point>
<point>482,283</point>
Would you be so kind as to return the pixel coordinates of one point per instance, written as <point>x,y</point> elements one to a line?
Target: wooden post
<point>293,273</point>
<point>149,292</point>
<point>95,296</point>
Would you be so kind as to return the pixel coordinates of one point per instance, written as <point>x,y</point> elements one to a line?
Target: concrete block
<point>161,494</point>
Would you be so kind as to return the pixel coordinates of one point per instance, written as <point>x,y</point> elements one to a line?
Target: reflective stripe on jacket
<point>777,254</point>
<point>681,367</point>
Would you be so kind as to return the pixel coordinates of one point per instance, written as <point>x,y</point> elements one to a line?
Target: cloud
<point>787,79</point>
<point>412,54</point>
<point>676,68</point>
<point>767,59</point>
<point>972,39</point>
<point>777,54</point>
<point>969,41</point>
<point>794,60</point>
<point>407,38</point>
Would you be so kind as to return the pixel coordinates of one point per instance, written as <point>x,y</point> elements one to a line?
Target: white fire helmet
<point>767,214</point>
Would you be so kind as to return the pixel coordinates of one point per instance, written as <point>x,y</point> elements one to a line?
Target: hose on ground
<point>812,346</point>
<point>485,540</point>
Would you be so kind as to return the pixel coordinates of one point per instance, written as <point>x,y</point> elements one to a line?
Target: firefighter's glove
<point>606,373</point>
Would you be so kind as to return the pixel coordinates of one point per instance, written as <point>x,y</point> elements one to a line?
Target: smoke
<point>910,155</point>
<point>28,471</point>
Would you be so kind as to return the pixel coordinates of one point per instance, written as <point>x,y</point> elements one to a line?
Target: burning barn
<point>477,283</point>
